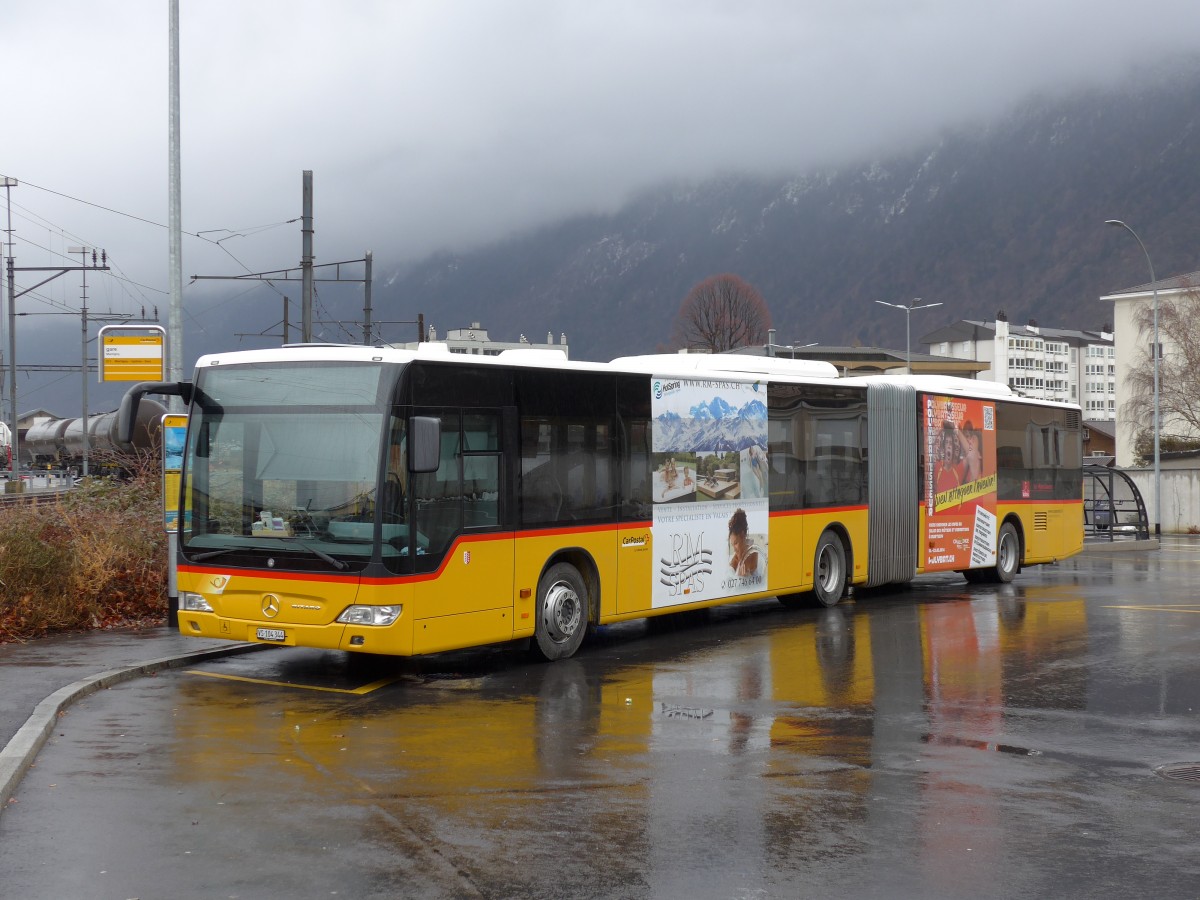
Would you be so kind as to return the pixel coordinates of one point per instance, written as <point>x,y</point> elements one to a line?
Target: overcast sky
<point>437,124</point>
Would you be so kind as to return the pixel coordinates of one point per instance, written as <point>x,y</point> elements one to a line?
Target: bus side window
<point>438,494</point>
<point>481,469</point>
<point>634,441</point>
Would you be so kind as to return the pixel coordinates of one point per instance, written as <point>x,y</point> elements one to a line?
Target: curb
<point>17,756</point>
<point>1103,547</point>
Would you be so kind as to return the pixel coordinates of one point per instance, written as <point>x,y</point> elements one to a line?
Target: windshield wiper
<point>211,553</point>
<point>320,554</point>
<point>323,556</point>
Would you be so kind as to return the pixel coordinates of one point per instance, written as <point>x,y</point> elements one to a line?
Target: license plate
<point>272,634</point>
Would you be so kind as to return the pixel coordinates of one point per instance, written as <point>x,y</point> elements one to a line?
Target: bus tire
<point>562,604</point>
<point>829,570</point>
<point>1008,554</point>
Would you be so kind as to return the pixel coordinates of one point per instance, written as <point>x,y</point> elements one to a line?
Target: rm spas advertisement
<point>709,458</point>
<point>959,493</point>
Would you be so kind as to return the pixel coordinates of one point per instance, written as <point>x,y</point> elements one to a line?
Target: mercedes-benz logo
<point>270,606</point>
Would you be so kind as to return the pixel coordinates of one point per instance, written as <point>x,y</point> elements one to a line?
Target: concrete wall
<point>1180,497</point>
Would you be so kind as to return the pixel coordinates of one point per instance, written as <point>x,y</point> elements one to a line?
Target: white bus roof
<point>692,364</point>
<point>681,365</point>
<point>950,384</point>
<point>429,350</point>
<point>684,365</point>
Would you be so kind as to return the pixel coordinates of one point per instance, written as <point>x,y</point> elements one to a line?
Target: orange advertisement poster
<point>959,492</point>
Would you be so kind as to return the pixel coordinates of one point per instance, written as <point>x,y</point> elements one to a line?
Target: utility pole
<point>9,184</point>
<point>307,275</point>
<point>175,264</point>
<point>306,261</point>
<point>83,363</point>
<point>298,275</point>
<point>264,333</point>
<point>15,464</point>
<point>174,223</point>
<point>367,303</point>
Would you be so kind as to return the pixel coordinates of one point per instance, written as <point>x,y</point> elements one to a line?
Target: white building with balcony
<point>1043,363</point>
<point>1135,348</point>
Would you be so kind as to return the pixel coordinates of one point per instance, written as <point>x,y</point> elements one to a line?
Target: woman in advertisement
<point>743,552</point>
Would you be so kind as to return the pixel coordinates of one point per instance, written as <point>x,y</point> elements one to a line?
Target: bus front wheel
<point>829,570</point>
<point>561,612</point>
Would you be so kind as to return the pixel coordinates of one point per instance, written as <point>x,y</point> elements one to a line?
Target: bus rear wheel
<point>1008,554</point>
<point>561,612</point>
<point>829,570</point>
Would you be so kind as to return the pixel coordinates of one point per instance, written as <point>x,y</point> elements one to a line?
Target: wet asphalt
<point>941,741</point>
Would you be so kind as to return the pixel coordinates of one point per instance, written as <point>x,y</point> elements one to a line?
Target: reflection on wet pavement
<point>938,741</point>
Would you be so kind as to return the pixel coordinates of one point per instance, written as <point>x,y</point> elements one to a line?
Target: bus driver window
<point>396,478</point>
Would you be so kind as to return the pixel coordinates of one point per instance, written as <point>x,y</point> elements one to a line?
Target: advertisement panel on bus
<point>959,493</point>
<point>709,457</point>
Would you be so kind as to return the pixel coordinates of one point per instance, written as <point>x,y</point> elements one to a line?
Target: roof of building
<point>975,330</point>
<point>38,413</point>
<point>1106,427</point>
<point>1172,284</point>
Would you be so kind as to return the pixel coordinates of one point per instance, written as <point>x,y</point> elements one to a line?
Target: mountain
<point>1004,216</point>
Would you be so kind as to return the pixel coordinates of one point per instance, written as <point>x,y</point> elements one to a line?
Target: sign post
<point>175,518</point>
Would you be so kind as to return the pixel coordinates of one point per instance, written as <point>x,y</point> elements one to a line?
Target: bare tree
<point>1178,375</point>
<point>721,313</point>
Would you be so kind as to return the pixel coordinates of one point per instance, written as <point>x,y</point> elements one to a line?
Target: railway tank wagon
<point>58,443</point>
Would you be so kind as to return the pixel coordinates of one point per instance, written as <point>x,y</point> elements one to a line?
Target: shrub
<point>96,557</point>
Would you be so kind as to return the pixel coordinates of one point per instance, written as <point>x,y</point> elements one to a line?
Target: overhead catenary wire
<point>136,218</point>
<point>246,231</point>
<point>129,293</point>
<point>41,221</point>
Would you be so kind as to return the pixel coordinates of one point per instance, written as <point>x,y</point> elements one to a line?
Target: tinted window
<point>1039,451</point>
<point>636,440</point>
<point>816,439</point>
<point>435,384</point>
<point>567,459</point>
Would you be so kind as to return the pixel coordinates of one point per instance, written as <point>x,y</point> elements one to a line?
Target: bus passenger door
<point>463,517</point>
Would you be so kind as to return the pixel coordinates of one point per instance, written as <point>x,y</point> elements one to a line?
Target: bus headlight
<point>370,615</point>
<point>193,603</point>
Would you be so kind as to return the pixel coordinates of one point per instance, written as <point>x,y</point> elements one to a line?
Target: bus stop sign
<point>136,357</point>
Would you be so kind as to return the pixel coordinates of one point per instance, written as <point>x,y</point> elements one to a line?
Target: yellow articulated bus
<point>408,502</point>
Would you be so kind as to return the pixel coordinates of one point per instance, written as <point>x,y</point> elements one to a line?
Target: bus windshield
<point>286,458</point>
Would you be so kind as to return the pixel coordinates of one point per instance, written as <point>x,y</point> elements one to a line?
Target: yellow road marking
<point>1158,608</point>
<point>365,689</point>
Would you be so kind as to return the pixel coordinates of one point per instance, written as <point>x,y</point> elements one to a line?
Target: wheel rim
<point>1008,552</point>
<point>561,612</point>
<point>828,570</point>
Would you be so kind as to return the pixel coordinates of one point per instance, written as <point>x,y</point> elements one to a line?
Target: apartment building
<point>1135,346</point>
<point>1039,362</point>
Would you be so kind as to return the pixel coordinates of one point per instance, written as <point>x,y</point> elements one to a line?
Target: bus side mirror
<point>424,443</point>
<point>127,415</point>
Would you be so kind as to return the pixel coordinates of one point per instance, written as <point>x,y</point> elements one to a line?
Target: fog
<point>435,125</point>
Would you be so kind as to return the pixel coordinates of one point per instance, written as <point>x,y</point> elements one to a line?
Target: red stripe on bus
<point>824,510</point>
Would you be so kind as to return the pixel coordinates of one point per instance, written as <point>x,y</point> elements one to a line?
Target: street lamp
<point>908,311</point>
<point>1154,350</point>
<point>793,347</point>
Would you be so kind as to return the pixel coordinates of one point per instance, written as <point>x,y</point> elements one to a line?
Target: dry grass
<point>95,558</point>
